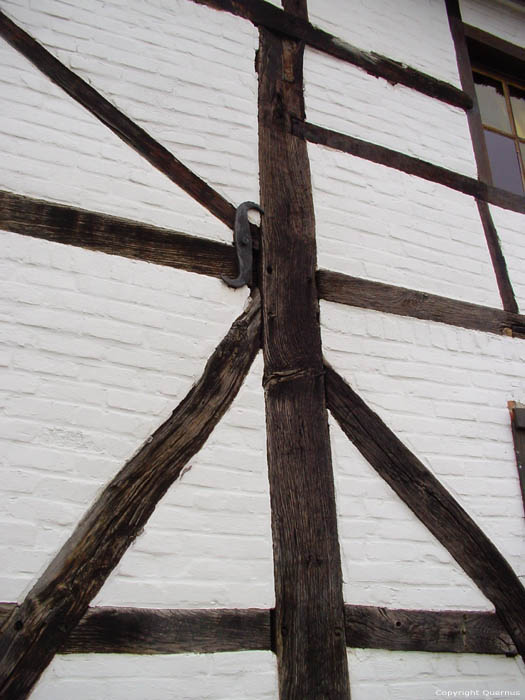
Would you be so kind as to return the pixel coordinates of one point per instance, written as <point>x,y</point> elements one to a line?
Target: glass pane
<point>491,102</point>
<point>517,100</point>
<point>504,163</point>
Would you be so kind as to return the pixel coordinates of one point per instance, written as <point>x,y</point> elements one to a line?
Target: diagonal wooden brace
<point>38,627</point>
<point>432,503</point>
<point>119,123</point>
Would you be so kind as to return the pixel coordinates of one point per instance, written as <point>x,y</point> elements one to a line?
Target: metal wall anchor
<point>242,238</point>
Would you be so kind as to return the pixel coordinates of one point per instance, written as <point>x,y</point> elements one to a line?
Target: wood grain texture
<point>113,235</point>
<point>426,630</point>
<point>108,630</point>
<point>40,625</point>
<point>118,122</point>
<point>390,299</point>
<point>518,436</point>
<point>309,622</point>
<point>499,263</point>
<point>409,164</point>
<point>457,31</point>
<point>295,26</point>
<point>430,501</point>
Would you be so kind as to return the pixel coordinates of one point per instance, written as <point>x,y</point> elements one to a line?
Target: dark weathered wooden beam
<point>426,630</point>
<point>517,420</point>
<point>264,14</point>
<point>41,624</point>
<point>309,622</point>
<point>108,630</point>
<point>390,299</point>
<point>495,45</point>
<point>498,259</point>
<point>113,235</point>
<point>430,501</point>
<point>408,164</point>
<point>119,123</point>
<point>149,631</point>
<point>457,31</point>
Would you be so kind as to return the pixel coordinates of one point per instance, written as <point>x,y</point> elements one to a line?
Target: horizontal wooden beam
<point>426,630</point>
<point>497,49</point>
<point>148,631</point>
<point>267,15</point>
<point>408,164</point>
<point>390,299</point>
<point>113,235</point>
<point>41,624</point>
<point>107,630</point>
<point>119,123</point>
<point>430,501</point>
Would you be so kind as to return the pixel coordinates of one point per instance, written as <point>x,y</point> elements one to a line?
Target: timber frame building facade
<point>378,203</point>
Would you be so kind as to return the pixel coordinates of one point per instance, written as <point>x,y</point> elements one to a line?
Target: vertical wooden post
<point>309,612</point>
<point>517,418</point>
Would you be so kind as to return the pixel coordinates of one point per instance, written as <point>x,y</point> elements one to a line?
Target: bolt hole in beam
<point>114,630</point>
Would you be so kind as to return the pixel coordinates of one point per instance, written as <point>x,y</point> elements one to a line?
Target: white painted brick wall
<point>504,20</point>
<point>414,32</point>
<point>378,223</point>
<point>344,98</point>
<point>228,676</point>
<point>193,89</point>
<point>96,351</point>
<point>444,392</point>
<point>511,230</point>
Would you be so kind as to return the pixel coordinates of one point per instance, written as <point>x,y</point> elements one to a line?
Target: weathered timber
<point>378,296</point>
<point>309,621</point>
<point>143,631</point>
<point>430,501</point>
<point>41,624</point>
<point>498,259</point>
<point>119,123</point>
<point>409,164</point>
<point>502,55</point>
<point>296,26</point>
<point>113,235</point>
<point>457,31</point>
<point>426,630</point>
<point>149,631</point>
<point>517,420</point>
<point>164,631</point>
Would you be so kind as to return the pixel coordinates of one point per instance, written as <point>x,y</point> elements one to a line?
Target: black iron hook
<point>242,238</point>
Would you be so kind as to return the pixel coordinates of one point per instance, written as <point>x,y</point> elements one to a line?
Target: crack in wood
<point>119,123</point>
<point>432,503</point>
<point>282,22</point>
<point>60,597</point>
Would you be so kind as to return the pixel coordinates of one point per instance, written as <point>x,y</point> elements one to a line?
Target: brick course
<point>95,351</point>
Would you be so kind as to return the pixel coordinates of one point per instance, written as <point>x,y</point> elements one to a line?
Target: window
<point>502,107</point>
<point>498,130</point>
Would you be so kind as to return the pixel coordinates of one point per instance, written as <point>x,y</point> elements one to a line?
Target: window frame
<point>500,59</point>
